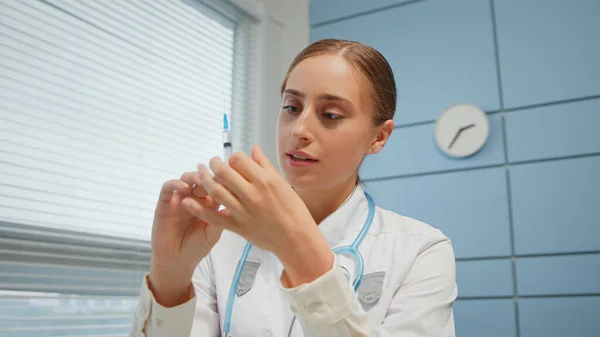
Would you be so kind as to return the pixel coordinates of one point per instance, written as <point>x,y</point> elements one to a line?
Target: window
<point>101,102</point>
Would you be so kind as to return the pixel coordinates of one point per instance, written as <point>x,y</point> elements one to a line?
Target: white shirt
<point>408,286</point>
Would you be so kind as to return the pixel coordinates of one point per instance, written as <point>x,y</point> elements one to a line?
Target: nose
<point>302,126</point>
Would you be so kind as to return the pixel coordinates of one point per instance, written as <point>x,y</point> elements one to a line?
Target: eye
<point>291,108</point>
<point>331,116</point>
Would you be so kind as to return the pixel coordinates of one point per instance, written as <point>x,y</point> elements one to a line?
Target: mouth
<point>300,159</point>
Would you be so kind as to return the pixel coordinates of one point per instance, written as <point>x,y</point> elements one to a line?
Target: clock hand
<point>454,139</point>
<point>459,132</point>
<point>467,127</point>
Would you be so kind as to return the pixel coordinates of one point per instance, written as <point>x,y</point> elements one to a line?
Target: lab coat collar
<point>347,219</point>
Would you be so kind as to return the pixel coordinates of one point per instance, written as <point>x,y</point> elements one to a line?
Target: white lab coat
<point>408,288</point>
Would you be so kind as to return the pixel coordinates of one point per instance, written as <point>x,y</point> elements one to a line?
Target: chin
<point>301,181</point>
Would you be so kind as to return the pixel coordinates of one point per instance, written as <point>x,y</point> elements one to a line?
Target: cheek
<point>346,149</point>
<point>282,131</point>
<point>283,135</point>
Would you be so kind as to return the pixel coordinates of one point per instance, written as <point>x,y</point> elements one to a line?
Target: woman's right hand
<point>179,239</point>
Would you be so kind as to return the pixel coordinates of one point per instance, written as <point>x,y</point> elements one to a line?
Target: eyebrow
<point>328,97</point>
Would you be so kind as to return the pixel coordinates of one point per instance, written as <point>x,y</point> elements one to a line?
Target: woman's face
<point>325,127</point>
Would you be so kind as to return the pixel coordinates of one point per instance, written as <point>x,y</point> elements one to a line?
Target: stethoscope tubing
<point>352,249</point>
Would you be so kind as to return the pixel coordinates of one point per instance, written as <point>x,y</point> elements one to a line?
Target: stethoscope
<point>352,250</point>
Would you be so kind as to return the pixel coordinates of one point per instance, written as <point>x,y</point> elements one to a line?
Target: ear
<point>384,133</point>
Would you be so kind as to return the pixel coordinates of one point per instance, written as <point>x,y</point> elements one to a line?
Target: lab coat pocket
<point>370,289</point>
<point>247,278</point>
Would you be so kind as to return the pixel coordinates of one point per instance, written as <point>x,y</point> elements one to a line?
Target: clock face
<point>461,130</point>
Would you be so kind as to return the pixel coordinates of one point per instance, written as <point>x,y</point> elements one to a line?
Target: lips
<point>300,155</point>
<point>300,158</point>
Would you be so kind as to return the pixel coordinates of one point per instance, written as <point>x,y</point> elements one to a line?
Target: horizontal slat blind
<point>62,283</point>
<point>244,85</point>
<point>31,314</point>
<point>57,261</point>
<point>100,103</point>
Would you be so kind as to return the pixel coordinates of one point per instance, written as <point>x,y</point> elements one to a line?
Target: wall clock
<point>461,130</point>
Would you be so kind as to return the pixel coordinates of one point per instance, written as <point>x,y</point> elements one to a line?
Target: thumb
<point>259,157</point>
<point>212,234</point>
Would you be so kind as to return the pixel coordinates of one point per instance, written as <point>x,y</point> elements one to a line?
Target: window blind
<point>100,103</point>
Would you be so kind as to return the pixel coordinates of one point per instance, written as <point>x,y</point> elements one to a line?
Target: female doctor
<point>263,265</point>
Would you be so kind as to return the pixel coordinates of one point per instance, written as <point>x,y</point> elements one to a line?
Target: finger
<point>190,178</point>
<point>211,216</point>
<point>246,167</point>
<point>261,159</point>
<point>166,192</point>
<point>193,179</point>
<point>199,191</point>
<point>217,191</point>
<point>207,202</point>
<point>229,178</point>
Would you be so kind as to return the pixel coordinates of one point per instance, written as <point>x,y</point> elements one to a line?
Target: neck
<point>321,203</point>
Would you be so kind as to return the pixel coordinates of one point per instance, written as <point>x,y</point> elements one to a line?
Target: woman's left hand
<point>263,208</point>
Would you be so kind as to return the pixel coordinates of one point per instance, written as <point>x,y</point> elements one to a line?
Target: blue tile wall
<point>558,275</point>
<point>549,50</point>
<point>553,131</point>
<point>481,278</point>
<point>441,53</point>
<point>470,207</point>
<point>489,318</point>
<point>323,11</point>
<point>556,206</point>
<point>559,317</point>
<point>417,143</point>
<point>525,209</point>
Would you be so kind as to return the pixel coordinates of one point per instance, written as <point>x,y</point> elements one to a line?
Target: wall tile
<point>489,318</point>
<point>549,50</point>
<point>327,10</point>
<point>553,131</point>
<point>559,275</point>
<point>469,207</point>
<point>559,317</point>
<point>481,278</point>
<point>555,206</point>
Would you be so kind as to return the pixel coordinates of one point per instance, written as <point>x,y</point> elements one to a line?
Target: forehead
<point>330,74</point>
